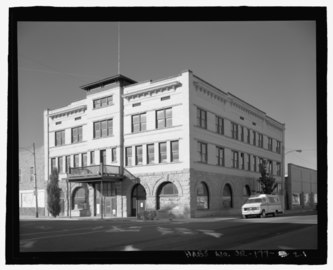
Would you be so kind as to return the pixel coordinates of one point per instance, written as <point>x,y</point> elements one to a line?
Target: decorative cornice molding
<point>67,112</point>
<point>152,90</point>
<point>209,92</point>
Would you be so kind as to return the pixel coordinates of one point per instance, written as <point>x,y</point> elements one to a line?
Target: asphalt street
<point>283,232</point>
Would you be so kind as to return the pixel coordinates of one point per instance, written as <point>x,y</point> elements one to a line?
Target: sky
<point>271,65</point>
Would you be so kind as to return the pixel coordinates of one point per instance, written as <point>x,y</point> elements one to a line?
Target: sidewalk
<point>199,219</point>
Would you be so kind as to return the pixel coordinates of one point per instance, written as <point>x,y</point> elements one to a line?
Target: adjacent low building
<point>27,174</point>
<point>301,187</point>
<point>177,144</point>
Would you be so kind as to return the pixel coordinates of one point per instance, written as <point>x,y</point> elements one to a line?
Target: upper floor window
<point>219,125</point>
<point>254,137</point>
<point>103,128</point>
<point>92,157</point>
<point>102,156</point>
<point>278,168</point>
<point>174,151</point>
<point>60,164</point>
<point>68,163</point>
<point>84,160</point>
<point>76,134</point>
<point>60,137</point>
<point>249,162</point>
<point>270,144</point>
<point>202,149</point>
<point>150,153</point>
<point>76,161</point>
<point>139,122</point>
<point>248,136</point>
<point>128,152</point>
<point>242,133</point>
<point>162,152</point>
<point>242,155</point>
<point>278,147</point>
<point>260,140</point>
<point>234,131</point>
<point>201,118</point>
<point>53,164</point>
<point>220,156</point>
<point>103,102</point>
<point>164,118</point>
<point>270,167</point>
<point>138,155</point>
<point>114,154</point>
<point>254,163</point>
<point>235,160</point>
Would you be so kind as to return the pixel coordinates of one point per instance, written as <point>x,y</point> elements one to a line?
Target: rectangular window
<point>138,155</point>
<point>174,151</point>
<point>260,140</point>
<point>103,102</point>
<point>60,164</point>
<point>242,161</point>
<point>278,168</point>
<point>234,131</point>
<point>92,157</point>
<point>76,134</point>
<point>270,144</point>
<point>242,133</point>
<point>103,128</point>
<point>202,149</point>
<point>53,164</point>
<point>102,156</point>
<point>84,160</point>
<point>219,125</point>
<point>165,98</point>
<point>248,136</point>
<point>139,122</point>
<point>164,118</point>
<point>76,161</point>
<point>220,156</point>
<point>128,156</point>
<point>162,152</point>
<point>31,174</point>
<point>278,147</point>
<point>150,153</point>
<point>270,167</point>
<point>68,163</point>
<point>249,161</point>
<point>114,154</point>
<point>235,161</point>
<point>201,118</point>
<point>254,163</point>
<point>59,137</point>
<point>254,137</point>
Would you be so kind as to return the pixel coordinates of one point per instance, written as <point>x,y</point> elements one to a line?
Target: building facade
<point>27,198</point>
<point>176,145</point>
<point>301,187</point>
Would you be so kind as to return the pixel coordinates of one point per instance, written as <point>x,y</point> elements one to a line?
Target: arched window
<point>168,189</point>
<point>202,196</point>
<point>227,196</point>
<point>79,198</point>
<point>167,196</point>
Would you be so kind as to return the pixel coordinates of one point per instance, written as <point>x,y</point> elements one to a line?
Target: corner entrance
<point>138,199</point>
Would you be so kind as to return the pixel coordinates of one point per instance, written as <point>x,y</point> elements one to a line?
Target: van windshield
<point>254,200</point>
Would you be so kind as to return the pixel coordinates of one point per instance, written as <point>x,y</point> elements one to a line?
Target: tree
<point>53,194</point>
<point>266,181</point>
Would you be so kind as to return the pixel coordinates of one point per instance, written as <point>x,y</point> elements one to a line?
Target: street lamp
<point>36,190</point>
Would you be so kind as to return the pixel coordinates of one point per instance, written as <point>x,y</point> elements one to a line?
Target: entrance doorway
<point>138,200</point>
<point>109,200</point>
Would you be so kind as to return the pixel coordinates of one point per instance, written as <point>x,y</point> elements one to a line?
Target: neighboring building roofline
<point>292,164</point>
<point>109,80</point>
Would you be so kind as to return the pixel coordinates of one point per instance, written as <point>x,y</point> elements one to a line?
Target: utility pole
<point>36,190</point>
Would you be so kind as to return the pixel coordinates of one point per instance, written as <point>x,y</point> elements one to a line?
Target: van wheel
<point>263,214</point>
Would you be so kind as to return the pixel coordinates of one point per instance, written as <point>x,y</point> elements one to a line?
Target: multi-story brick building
<point>177,143</point>
<point>27,198</point>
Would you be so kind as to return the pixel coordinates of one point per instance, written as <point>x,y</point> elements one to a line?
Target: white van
<point>262,205</point>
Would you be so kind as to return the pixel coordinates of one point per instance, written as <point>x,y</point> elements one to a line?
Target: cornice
<point>212,93</point>
<point>152,90</point>
<point>69,111</point>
